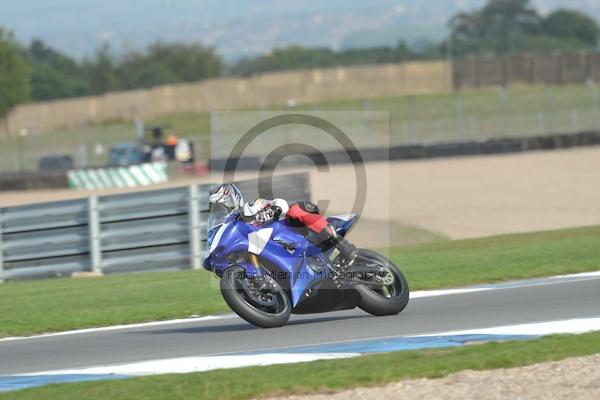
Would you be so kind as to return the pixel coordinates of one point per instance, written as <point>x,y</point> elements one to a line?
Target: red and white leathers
<point>262,210</point>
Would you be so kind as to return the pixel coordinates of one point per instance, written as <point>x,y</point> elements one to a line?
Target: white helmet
<point>227,195</point>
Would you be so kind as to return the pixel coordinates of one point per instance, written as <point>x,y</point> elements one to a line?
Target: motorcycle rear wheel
<point>387,300</point>
<point>235,293</point>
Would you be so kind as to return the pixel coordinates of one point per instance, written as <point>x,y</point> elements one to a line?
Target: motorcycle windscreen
<point>218,215</point>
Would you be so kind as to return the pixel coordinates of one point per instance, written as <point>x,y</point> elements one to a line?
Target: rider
<point>262,211</point>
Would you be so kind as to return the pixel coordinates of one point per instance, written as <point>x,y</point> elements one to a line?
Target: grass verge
<point>57,305</point>
<point>245,383</point>
<point>500,258</point>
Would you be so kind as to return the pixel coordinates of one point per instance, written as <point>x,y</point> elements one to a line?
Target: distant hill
<point>238,27</point>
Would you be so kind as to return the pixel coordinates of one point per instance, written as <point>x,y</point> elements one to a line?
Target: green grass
<point>498,258</point>
<point>62,304</point>
<point>530,110</point>
<point>323,376</point>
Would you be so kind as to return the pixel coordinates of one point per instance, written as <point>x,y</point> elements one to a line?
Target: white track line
<point>581,275</point>
<point>270,356</point>
<point>571,326</point>
<point>446,292</point>
<point>567,326</point>
<point>542,281</point>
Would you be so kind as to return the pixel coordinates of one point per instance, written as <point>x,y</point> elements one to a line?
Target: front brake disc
<point>266,299</point>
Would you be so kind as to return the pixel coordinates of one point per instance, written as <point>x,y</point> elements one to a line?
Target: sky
<point>237,28</point>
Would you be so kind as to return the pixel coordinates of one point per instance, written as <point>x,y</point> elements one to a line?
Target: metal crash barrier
<point>144,231</point>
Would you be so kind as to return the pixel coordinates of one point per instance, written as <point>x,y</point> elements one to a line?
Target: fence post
<point>411,115</point>
<point>94,233</point>
<point>575,120</point>
<point>504,103</point>
<point>560,68</point>
<point>587,57</point>
<point>549,110</point>
<point>595,107</point>
<point>367,117</point>
<point>1,252</point>
<point>476,70</point>
<point>459,108</point>
<point>215,136</point>
<point>505,71</point>
<point>194,223</point>
<point>541,122</point>
<point>532,70</point>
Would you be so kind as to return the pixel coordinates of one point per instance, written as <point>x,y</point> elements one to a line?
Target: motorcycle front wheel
<point>265,307</point>
<point>379,299</point>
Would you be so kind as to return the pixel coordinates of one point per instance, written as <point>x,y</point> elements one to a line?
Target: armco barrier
<point>144,231</point>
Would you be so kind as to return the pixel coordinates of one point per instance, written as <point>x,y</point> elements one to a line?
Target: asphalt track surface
<point>505,304</point>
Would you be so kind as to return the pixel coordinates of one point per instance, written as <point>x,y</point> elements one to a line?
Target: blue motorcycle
<point>269,271</point>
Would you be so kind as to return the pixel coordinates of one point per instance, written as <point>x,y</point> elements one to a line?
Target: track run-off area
<point>440,318</point>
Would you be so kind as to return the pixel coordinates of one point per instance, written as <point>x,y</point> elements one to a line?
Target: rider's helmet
<point>227,195</point>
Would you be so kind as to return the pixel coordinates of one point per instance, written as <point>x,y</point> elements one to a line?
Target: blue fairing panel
<point>343,223</point>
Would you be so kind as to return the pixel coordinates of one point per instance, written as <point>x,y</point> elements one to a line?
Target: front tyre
<point>261,307</point>
<point>382,300</point>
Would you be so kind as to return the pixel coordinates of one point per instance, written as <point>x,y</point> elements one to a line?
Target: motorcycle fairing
<point>273,243</point>
<point>258,240</point>
<point>343,224</point>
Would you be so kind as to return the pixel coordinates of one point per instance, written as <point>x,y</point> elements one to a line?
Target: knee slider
<point>309,207</point>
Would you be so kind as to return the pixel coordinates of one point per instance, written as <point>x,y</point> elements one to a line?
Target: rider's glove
<point>269,214</point>
<point>276,211</point>
<point>265,215</point>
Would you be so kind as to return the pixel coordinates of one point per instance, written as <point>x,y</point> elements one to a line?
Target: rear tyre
<point>264,309</point>
<point>386,300</point>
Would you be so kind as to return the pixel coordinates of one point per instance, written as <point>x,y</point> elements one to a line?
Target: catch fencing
<point>144,231</point>
<point>304,86</point>
<point>555,69</point>
<point>259,92</point>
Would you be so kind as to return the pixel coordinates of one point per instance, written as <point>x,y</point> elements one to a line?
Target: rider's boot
<point>347,250</point>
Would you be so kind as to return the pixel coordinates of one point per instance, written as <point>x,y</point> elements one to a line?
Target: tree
<point>54,75</point>
<point>286,58</point>
<point>513,26</point>
<point>498,28</point>
<point>100,71</point>
<point>168,63</point>
<point>14,74</point>
<point>569,24</point>
<point>159,64</point>
<point>188,62</point>
<point>138,74</point>
<point>294,57</point>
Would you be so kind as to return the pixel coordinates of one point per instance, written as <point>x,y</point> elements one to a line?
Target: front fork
<point>254,261</point>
